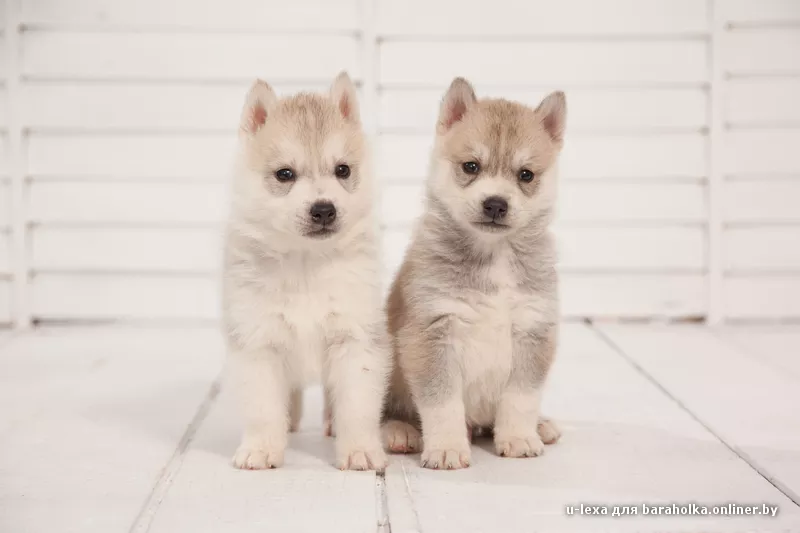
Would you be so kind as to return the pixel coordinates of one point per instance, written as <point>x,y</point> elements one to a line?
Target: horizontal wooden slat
<point>762,201</point>
<point>763,151</point>
<point>185,14</point>
<point>4,155</point>
<point>634,296</point>
<point>124,297</point>
<point>589,110</point>
<point>5,203</point>
<point>126,156</point>
<point>138,106</point>
<point>773,297</point>
<point>584,156</point>
<point>762,249</point>
<point>5,302</point>
<point>194,250</point>
<point>5,253</point>
<point>602,249</point>
<point>3,107</point>
<point>71,55</point>
<point>435,63</point>
<point>772,101</point>
<point>501,18</point>
<point>762,52</point>
<point>583,202</point>
<point>761,11</point>
<point>127,202</point>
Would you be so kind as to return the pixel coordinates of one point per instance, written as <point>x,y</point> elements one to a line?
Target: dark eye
<point>525,175</point>
<point>471,167</point>
<point>285,174</point>
<point>342,171</point>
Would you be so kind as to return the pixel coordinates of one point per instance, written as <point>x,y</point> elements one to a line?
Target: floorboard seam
<point>384,522</point>
<point>407,484</point>
<point>147,514</point>
<point>789,493</point>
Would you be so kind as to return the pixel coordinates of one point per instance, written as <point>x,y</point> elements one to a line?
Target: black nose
<point>495,207</point>
<point>323,213</point>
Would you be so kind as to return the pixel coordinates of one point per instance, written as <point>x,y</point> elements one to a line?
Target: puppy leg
<point>517,421</point>
<point>263,390</point>
<point>295,409</point>
<point>401,437</point>
<point>356,377</point>
<point>434,378</point>
<point>327,414</point>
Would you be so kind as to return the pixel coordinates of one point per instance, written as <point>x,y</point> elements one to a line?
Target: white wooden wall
<point>681,175</point>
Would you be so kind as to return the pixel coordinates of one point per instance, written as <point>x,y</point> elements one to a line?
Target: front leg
<point>355,375</point>
<point>262,387</point>
<point>517,429</point>
<point>429,363</point>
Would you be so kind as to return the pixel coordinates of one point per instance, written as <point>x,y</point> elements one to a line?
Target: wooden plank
<point>5,253</point>
<point>763,52</point>
<point>241,15</point>
<point>762,201</point>
<point>3,106</point>
<point>279,500</point>
<point>762,152</point>
<point>582,202</point>
<point>762,12</point>
<point>64,296</point>
<point>769,102</point>
<point>632,249</point>
<point>132,156</point>
<point>539,18</point>
<point>762,249</point>
<point>775,297</point>
<point>571,63</point>
<point>592,110</point>
<point>749,405</point>
<point>775,345</point>
<point>139,106</point>
<point>196,250</point>
<point>115,402</point>
<point>637,443</point>
<point>5,302</point>
<point>176,203</point>
<point>5,205</point>
<point>165,56</point>
<point>633,295</point>
<point>584,156</point>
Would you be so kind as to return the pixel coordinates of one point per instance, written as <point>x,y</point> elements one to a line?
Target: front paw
<point>362,458</point>
<point>257,457</point>
<point>548,431</point>
<point>523,446</point>
<point>445,457</point>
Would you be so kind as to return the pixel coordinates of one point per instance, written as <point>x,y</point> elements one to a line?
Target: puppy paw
<point>257,458</point>
<point>401,437</point>
<point>519,446</point>
<point>548,431</point>
<point>362,458</point>
<point>445,459</point>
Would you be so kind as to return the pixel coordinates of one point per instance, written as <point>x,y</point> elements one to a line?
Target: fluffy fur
<point>473,311</point>
<point>302,298</point>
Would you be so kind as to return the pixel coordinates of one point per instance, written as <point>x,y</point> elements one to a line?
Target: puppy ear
<point>343,94</point>
<point>553,111</point>
<point>456,102</point>
<point>259,100</point>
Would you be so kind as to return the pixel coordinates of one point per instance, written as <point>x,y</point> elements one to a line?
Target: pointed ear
<point>458,99</point>
<point>259,100</point>
<point>343,94</point>
<point>553,111</point>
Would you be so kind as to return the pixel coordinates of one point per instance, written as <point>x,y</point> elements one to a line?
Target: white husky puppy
<point>302,280</point>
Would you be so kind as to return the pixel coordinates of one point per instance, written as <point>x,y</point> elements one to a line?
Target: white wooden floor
<point>113,429</point>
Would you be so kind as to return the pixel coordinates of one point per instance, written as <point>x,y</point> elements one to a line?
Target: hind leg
<point>401,437</point>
